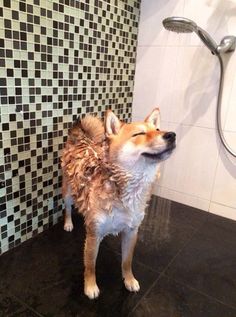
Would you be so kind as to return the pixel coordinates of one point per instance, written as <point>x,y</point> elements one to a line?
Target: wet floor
<point>185,261</point>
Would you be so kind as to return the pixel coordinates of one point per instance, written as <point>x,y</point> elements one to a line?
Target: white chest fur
<point>119,220</point>
<point>130,213</point>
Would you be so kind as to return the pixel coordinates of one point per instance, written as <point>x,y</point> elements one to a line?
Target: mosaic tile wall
<point>58,60</point>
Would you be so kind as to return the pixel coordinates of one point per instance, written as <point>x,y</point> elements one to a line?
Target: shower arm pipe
<point>219,104</point>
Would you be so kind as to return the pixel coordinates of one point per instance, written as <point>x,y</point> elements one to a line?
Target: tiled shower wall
<point>58,60</point>
<point>180,75</point>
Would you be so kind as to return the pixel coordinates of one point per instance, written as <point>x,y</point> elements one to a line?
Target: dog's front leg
<point>90,254</point>
<point>129,238</point>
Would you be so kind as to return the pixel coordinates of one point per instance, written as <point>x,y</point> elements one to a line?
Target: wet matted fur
<point>108,170</point>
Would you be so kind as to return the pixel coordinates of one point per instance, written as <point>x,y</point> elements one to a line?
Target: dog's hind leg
<point>68,200</point>
<point>128,241</point>
<point>68,224</point>
<point>90,255</point>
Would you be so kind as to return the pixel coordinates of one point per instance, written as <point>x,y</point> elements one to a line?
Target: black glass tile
<point>8,304</point>
<point>207,262</point>
<point>170,298</point>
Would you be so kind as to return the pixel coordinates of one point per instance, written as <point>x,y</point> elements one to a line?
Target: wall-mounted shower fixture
<point>227,45</point>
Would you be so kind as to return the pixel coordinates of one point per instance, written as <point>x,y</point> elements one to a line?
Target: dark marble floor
<point>185,261</point>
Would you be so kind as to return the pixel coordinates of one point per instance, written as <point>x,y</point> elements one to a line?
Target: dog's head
<point>138,142</point>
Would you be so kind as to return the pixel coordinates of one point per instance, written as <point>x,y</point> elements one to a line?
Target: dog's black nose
<point>169,136</point>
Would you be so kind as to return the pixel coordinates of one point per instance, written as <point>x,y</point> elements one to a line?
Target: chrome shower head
<point>183,25</point>
<point>179,25</point>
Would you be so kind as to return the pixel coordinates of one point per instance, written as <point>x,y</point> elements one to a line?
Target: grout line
<point>223,205</point>
<point>166,268</point>
<point>184,193</point>
<point>144,295</point>
<point>171,46</point>
<point>216,169</point>
<point>229,97</point>
<point>204,294</point>
<point>190,125</point>
<point>25,305</point>
<point>51,286</point>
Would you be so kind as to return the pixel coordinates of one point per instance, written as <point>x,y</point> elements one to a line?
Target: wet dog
<point>108,170</point>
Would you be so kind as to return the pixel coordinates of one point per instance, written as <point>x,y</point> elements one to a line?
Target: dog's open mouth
<point>159,156</point>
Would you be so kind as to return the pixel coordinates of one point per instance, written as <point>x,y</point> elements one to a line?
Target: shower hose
<point>218,111</point>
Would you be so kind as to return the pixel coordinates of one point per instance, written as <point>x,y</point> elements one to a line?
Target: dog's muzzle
<point>170,138</point>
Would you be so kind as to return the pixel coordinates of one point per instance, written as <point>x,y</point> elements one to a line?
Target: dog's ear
<point>112,123</point>
<point>154,118</point>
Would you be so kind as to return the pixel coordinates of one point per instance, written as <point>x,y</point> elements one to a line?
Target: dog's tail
<point>91,126</point>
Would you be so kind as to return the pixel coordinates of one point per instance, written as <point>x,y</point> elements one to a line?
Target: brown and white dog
<point>108,170</point>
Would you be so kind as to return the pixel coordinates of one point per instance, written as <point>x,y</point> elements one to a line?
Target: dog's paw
<point>68,226</point>
<point>92,291</point>
<point>132,285</point>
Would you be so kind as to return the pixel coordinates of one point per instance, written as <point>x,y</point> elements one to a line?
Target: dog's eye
<point>139,133</point>
<point>157,129</point>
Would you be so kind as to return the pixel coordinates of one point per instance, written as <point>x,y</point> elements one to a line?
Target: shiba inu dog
<point>108,170</point>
